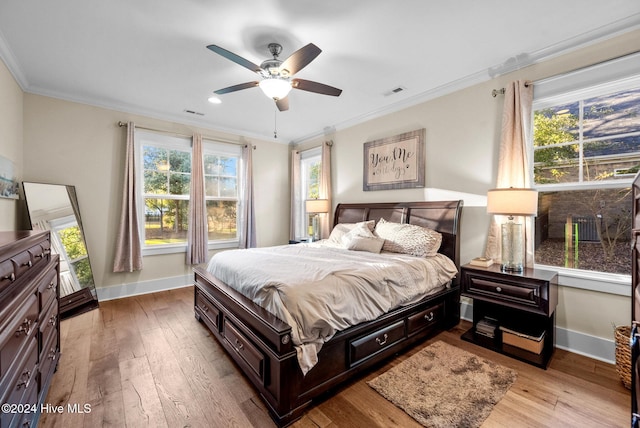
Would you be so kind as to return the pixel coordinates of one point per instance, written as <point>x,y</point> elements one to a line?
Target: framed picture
<point>394,162</point>
<point>8,179</point>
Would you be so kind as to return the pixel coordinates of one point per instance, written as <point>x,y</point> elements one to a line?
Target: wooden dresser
<point>29,324</point>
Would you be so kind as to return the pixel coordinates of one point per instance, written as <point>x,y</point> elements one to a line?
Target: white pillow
<point>408,238</point>
<point>342,229</point>
<point>360,238</point>
<point>371,244</point>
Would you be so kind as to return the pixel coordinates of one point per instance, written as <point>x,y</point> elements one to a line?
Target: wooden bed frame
<point>261,345</point>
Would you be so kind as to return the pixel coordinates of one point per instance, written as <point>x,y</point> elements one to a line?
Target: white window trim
<point>177,143</point>
<point>218,148</point>
<point>611,76</point>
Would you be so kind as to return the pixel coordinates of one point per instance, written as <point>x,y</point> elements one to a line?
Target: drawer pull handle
<point>11,277</point>
<point>499,289</point>
<point>39,256</point>
<point>52,354</point>
<point>51,285</point>
<point>205,308</point>
<point>28,264</point>
<point>383,341</point>
<point>25,379</point>
<point>429,317</point>
<point>239,345</point>
<point>52,320</point>
<point>25,328</point>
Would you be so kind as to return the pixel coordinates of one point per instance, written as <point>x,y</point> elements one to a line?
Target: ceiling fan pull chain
<point>275,124</point>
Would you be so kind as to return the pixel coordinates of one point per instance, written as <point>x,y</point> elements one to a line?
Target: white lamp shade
<point>275,88</point>
<point>317,205</point>
<point>512,201</point>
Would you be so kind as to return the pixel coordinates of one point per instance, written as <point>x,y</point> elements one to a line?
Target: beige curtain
<point>324,192</point>
<point>128,254</point>
<point>295,193</point>
<point>247,235</point>
<point>514,163</point>
<point>198,236</point>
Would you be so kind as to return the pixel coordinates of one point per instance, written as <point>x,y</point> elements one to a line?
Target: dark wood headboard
<point>442,216</point>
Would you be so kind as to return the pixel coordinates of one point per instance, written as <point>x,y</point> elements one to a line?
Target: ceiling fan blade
<point>319,88</point>
<point>235,58</point>
<point>236,88</point>
<point>300,58</point>
<point>283,104</point>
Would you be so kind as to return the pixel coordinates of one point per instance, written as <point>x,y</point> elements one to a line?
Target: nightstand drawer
<point>522,293</point>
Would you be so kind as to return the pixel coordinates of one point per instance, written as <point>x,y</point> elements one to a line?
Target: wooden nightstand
<point>518,302</point>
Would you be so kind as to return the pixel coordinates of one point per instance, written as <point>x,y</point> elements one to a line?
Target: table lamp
<point>316,206</point>
<point>512,202</point>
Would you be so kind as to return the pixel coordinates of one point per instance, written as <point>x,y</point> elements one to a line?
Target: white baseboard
<point>143,287</point>
<point>590,346</point>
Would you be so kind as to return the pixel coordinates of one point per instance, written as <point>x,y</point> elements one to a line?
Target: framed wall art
<point>8,179</point>
<point>394,162</point>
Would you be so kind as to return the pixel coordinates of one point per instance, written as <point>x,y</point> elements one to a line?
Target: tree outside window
<point>166,175</point>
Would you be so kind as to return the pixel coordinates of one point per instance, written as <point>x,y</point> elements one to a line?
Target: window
<point>310,163</point>
<point>586,154</point>
<point>164,168</point>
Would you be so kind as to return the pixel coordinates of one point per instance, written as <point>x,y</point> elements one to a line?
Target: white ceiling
<point>149,56</point>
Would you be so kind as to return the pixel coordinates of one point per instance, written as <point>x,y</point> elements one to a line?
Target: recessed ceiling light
<point>215,100</point>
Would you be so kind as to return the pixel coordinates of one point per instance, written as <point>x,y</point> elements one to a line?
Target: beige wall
<point>70,143</point>
<point>462,140</point>
<point>10,140</point>
<point>81,145</point>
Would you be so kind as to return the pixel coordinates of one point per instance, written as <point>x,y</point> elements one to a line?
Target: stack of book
<point>481,261</point>
<point>487,327</point>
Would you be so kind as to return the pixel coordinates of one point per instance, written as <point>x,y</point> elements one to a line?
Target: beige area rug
<point>443,386</point>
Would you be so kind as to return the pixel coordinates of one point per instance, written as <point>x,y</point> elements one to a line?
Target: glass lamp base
<point>512,247</point>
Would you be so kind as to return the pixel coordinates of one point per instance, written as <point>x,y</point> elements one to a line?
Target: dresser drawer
<point>244,348</point>
<point>30,407</point>
<point>425,319</point>
<point>48,288</point>
<point>48,326</point>
<point>37,253</point>
<point>7,274</point>
<point>18,332</point>
<point>19,381</point>
<point>208,311</point>
<point>366,347</point>
<point>49,356</point>
<point>22,262</point>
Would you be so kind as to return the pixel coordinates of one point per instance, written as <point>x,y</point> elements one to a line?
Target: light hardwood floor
<point>146,361</point>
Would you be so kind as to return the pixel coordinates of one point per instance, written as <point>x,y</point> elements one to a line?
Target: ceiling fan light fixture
<point>275,88</point>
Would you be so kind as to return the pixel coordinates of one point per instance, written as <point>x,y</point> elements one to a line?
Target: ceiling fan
<point>277,75</point>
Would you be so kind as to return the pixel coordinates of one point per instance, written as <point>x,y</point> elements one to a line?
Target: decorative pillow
<point>360,238</point>
<point>371,244</point>
<point>342,229</point>
<point>408,238</point>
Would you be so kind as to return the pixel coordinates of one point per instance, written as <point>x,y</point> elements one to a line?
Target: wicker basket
<point>623,354</point>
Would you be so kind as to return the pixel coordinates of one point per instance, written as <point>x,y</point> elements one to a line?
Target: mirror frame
<point>85,298</point>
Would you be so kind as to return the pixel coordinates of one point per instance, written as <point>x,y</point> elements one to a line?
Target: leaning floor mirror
<point>54,207</point>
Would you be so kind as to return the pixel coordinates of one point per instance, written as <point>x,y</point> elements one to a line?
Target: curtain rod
<point>501,91</point>
<point>178,134</point>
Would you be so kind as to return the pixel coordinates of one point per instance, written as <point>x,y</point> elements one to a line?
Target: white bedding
<point>319,289</point>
